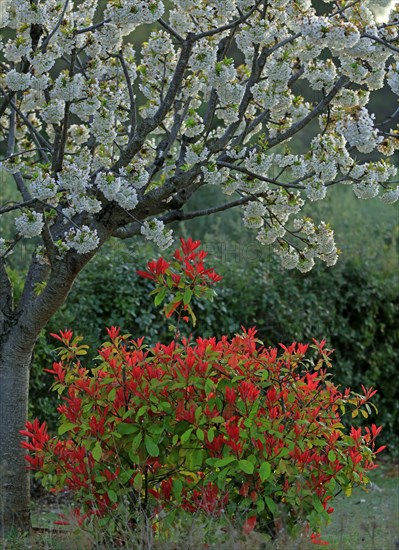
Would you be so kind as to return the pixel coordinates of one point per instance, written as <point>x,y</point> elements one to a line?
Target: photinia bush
<point>202,426</point>
<point>181,280</point>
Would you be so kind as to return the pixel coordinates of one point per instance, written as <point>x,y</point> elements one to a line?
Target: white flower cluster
<point>69,88</point>
<point>81,202</point>
<point>29,224</point>
<point>109,38</point>
<point>201,15</point>
<point>393,78</point>
<point>117,189</point>
<point>43,187</point>
<point>53,113</point>
<point>281,205</point>
<point>329,153</point>
<point>372,175</point>
<point>359,131</point>
<point>74,178</point>
<point>155,231</point>
<point>20,12</point>
<point>129,14</point>
<point>16,51</point>
<point>103,127</point>
<point>320,244</point>
<point>320,74</point>
<point>214,175</point>
<point>315,189</point>
<point>289,257</point>
<point>195,154</point>
<point>42,62</point>
<point>83,239</point>
<point>253,214</point>
<point>348,99</point>
<point>203,57</point>
<point>341,35</point>
<point>17,81</point>
<point>390,196</point>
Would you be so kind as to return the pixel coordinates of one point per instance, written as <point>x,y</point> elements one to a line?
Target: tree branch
<point>6,294</point>
<point>57,26</point>
<point>170,30</point>
<point>19,180</point>
<point>11,135</point>
<point>133,113</point>
<point>7,100</point>
<point>257,176</point>
<point>316,111</point>
<point>231,25</point>
<point>380,41</point>
<point>93,27</point>
<point>180,215</point>
<point>18,206</point>
<point>147,126</point>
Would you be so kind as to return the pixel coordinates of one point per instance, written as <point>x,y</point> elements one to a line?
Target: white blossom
<point>390,196</point>
<point>18,81</point>
<point>53,113</point>
<point>43,187</point>
<point>29,224</point>
<point>117,189</point>
<point>83,239</point>
<point>155,231</point>
<point>253,214</point>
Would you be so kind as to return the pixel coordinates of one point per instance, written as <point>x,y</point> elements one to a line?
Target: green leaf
<point>317,504</point>
<point>136,441</point>
<point>200,434</point>
<point>186,436</point>
<point>159,298</point>
<point>192,314</point>
<point>97,451</point>
<point>209,386</point>
<point>151,446</point>
<point>246,466</point>
<point>271,505</point>
<point>138,482</point>
<point>188,293</point>
<point>68,426</point>
<point>125,428</point>
<point>332,456</point>
<point>142,410</point>
<point>177,488</point>
<point>264,471</point>
<point>113,497</point>
<point>224,461</point>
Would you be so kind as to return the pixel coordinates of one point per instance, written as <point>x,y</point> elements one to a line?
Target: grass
<point>365,521</point>
<point>368,521</point>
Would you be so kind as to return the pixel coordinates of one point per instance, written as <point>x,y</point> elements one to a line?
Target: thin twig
<point>57,26</point>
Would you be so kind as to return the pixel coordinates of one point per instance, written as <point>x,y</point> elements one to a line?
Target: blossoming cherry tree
<point>105,135</point>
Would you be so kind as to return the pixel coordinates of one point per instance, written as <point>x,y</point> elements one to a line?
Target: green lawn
<point>368,521</point>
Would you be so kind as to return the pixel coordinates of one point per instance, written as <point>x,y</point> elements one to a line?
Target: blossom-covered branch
<point>101,132</point>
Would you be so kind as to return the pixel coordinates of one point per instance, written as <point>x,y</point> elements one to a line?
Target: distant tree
<point>104,141</point>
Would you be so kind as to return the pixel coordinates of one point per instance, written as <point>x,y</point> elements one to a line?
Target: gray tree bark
<point>15,358</point>
<point>20,327</point>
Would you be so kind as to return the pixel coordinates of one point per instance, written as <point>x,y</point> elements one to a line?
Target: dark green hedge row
<point>350,306</point>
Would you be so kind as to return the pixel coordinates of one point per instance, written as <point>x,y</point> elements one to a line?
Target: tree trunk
<point>15,358</point>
